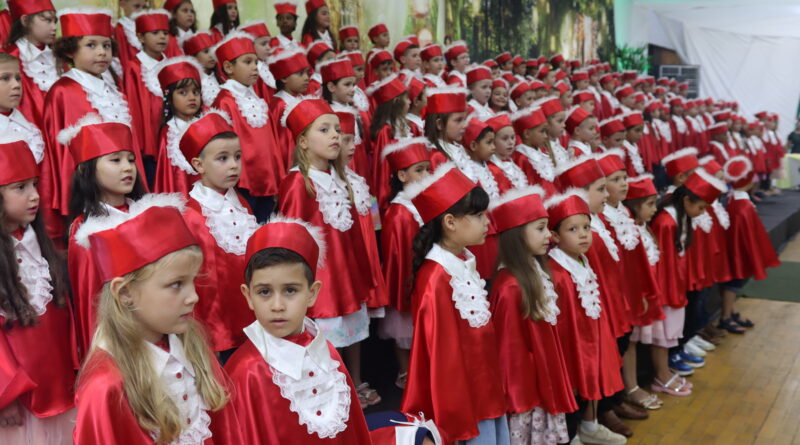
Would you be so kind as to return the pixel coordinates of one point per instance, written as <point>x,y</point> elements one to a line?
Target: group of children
<point>236,209</point>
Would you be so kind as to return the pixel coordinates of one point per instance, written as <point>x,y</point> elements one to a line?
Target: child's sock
<point>590,426</point>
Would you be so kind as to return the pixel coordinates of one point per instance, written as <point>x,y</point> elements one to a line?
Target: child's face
<point>243,70</point>
<point>694,208</point>
<point>233,11</point>
<point>454,126</point>
<point>322,139</point>
<point>359,70</point>
<point>384,70</point>
<point>154,41</point>
<point>185,15</point>
<point>634,134</point>
<point>582,84</point>
<point>586,130</point>
<point>411,60</point>
<point>507,65</point>
<point>220,164</point>
<point>116,175</point>
<point>132,6</point>
<point>296,83</point>
<point>617,186</point>
<point>598,195</point>
<point>280,295</point>
<point>20,203</point>
<point>555,124</point>
<point>324,17</point>
<point>537,236</point>
<point>615,140</point>
<point>681,177</point>
<point>647,209</point>
<point>504,142</point>
<point>499,98</point>
<point>574,235</point>
<point>348,147</point>
<point>414,173</point>
<point>549,78</point>
<point>467,230</point>
<point>539,93</point>
<point>163,303</point>
<point>536,136</point>
<point>629,101</point>
<point>93,54</point>
<point>287,23</point>
<point>520,69</point>
<point>588,105</point>
<point>482,149</point>
<point>350,44</point>
<point>433,66</point>
<point>42,27</point>
<point>566,99</point>
<point>481,91</point>
<point>262,47</point>
<point>419,104</point>
<point>461,62</point>
<point>186,101</point>
<point>206,59</point>
<point>343,90</point>
<point>382,40</point>
<point>10,86</point>
<point>721,137</point>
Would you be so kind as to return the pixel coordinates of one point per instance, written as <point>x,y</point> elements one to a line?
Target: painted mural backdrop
<point>580,29</point>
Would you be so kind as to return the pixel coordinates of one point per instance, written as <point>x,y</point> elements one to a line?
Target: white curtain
<point>747,51</point>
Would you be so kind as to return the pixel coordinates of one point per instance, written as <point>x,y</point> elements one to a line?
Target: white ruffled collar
<point>483,111</point>
<point>435,80</point>
<point>103,96</point>
<point>175,129</point>
<point>704,221</point>
<point>623,224</point>
<point>551,310</point>
<point>38,64</point>
<point>600,228</point>
<point>253,108</point>
<point>416,120</point>
<point>361,194</point>
<point>360,99</point>
<point>227,219</point>
<point>559,152</point>
<point>129,27</point>
<point>583,147</point>
<point>266,74</point>
<point>402,199</point>
<point>469,293</point>
<point>636,159</point>
<point>210,88</point>
<point>332,197</point>
<point>147,61</point>
<point>722,214</point>
<point>308,377</point>
<point>511,171</point>
<point>30,133</point>
<point>649,243</point>
<point>34,271</point>
<point>540,162</point>
<point>585,281</point>
<point>458,154</point>
<point>680,124</point>
<point>485,179</point>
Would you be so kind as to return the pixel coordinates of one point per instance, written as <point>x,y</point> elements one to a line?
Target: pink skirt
<point>54,430</point>
<point>398,326</point>
<point>664,333</point>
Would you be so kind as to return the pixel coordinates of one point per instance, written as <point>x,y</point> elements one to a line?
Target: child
<point>290,69</point>
<point>105,181</point>
<point>388,124</point>
<point>221,221</point>
<point>457,56</point>
<point>612,133</point>
<point>556,122</point>
<point>149,375</point>
<point>524,308</point>
<point>316,190</point>
<point>634,127</point>
<point>507,174</point>
<point>409,162</point>
<point>318,24</point>
<point>199,46</point>
<point>530,126</point>
<point>13,123</point>
<point>445,123</point>
<point>38,356</point>
<point>718,143</point>
<point>349,38</point>
<point>751,249</point>
<point>418,99</point>
<point>317,53</point>
<point>672,230</point>
<point>86,45</point>
<point>499,100</point>
<point>406,53</point>
<point>589,350</point>
<point>379,66</point>
<point>521,95</point>
<point>262,164</point>
<point>479,82</point>
<point>178,80</point>
<point>379,36</point>
<point>125,31</point>
<point>285,354</point>
<point>432,65</point>
<point>152,30</point>
<point>462,393</point>
<point>582,128</point>
<point>286,18</point>
<point>265,86</point>
<point>183,23</point>
<point>224,19</point>
<point>33,33</point>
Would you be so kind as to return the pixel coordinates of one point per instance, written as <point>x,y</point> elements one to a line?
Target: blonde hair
<point>119,333</point>
<point>301,160</point>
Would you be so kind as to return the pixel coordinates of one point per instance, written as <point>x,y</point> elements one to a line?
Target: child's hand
<point>11,415</point>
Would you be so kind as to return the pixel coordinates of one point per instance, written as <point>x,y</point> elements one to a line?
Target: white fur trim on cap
<point>515,194</point>
<point>523,112</point>
<point>446,90</point>
<point>291,104</point>
<point>641,177</point>
<point>85,10</point>
<point>316,233</point>
<point>151,77</point>
<point>236,34</point>
<point>285,54</point>
<point>572,191</point>
<point>163,12</point>
<point>565,166</point>
<point>716,183</point>
<point>66,135</point>
<point>402,144</point>
<point>375,53</point>
<point>378,84</point>
<point>611,151</point>
<point>108,222</point>
<point>745,172</point>
<point>183,39</point>
<point>415,188</point>
<point>688,151</point>
<point>455,44</point>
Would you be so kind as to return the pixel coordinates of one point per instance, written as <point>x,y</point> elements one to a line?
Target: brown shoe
<point>714,331</point>
<point>610,420</point>
<point>627,410</point>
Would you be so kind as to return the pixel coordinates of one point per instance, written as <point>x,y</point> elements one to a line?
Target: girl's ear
<point>440,124</point>
<point>330,86</point>
<point>554,236</point>
<point>197,164</point>
<point>302,142</point>
<point>402,176</point>
<point>120,291</point>
<point>449,222</point>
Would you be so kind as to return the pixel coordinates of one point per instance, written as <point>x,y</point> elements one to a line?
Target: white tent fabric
<point>747,51</point>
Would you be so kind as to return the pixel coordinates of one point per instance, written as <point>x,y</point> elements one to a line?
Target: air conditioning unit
<point>683,73</point>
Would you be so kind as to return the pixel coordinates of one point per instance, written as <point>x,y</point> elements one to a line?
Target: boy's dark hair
<point>275,256</point>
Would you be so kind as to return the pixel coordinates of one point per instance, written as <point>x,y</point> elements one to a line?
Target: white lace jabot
<point>34,271</point>
<point>105,98</point>
<point>227,219</point>
<point>253,108</point>
<point>332,198</point>
<point>469,293</point>
<point>585,281</point>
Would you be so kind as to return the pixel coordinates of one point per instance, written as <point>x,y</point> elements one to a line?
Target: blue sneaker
<point>678,366</point>
<point>691,360</point>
